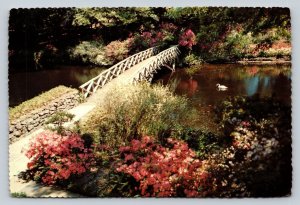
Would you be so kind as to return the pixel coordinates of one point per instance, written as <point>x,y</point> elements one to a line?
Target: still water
<point>200,86</point>
<point>245,80</point>
<point>26,85</point>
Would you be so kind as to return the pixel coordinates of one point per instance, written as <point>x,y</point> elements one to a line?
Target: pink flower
<point>164,169</point>
<point>188,38</point>
<point>128,157</point>
<point>55,154</point>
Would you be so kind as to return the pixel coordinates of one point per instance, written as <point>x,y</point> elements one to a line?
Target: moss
<point>38,101</point>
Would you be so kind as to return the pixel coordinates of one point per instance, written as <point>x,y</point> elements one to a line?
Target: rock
<point>23,122</point>
<point>35,116</point>
<point>63,107</point>
<point>18,126</point>
<point>11,129</point>
<point>27,122</point>
<point>46,112</point>
<point>30,127</point>
<point>52,108</point>
<point>17,133</point>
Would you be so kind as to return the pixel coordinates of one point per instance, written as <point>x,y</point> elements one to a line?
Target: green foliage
<point>38,101</point>
<point>204,143</point>
<point>89,52</point>
<point>57,120</point>
<point>108,17</point>
<point>19,195</point>
<point>131,111</point>
<point>221,33</point>
<point>191,59</point>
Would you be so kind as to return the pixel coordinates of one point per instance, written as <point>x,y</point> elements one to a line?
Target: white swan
<point>221,87</point>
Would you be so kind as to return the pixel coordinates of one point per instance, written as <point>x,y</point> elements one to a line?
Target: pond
<point>26,85</point>
<point>245,80</point>
<point>200,86</point>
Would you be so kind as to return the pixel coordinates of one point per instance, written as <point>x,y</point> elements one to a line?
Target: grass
<point>38,101</point>
<point>18,194</point>
<point>132,111</point>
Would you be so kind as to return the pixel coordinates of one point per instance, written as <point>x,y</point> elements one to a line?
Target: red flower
<point>164,169</point>
<point>188,38</point>
<point>55,154</point>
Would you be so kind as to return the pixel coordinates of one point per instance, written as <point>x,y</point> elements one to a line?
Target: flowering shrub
<point>56,157</point>
<point>163,171</point>
<point>148,39</point>
<point>257,162</point>
<point>188,39</point>
<point>116,51</point>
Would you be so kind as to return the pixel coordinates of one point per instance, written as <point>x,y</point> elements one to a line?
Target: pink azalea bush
<point>163,171</point>
<point>188,39</point>
<point>57,157</point>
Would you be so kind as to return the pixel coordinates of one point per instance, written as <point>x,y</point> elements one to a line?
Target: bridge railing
<point>167,56</point>
<point>106,76</point>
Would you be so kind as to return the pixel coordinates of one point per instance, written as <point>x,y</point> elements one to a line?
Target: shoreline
<point>258,61</point>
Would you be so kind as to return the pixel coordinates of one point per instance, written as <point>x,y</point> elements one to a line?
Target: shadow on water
<point>26,85</point>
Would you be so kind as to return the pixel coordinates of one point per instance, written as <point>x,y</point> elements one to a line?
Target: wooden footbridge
<point>136,68</point>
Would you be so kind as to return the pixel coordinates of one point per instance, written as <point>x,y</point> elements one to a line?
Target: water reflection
<point>265,81</point>
<point>26,85</point>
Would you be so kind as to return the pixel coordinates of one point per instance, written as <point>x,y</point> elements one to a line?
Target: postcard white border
<point>6,5</point>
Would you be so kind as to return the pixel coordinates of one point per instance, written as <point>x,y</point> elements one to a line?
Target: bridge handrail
<point>117,69</point>
<point>163,57</point>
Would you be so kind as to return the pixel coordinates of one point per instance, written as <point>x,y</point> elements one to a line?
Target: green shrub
<point>19,195</point>
<point>237,44</point>
<point>57,121</point>
<point>203,142</point>
<point>192,59</point>
<point>89,52</point>
<point>132,110</point>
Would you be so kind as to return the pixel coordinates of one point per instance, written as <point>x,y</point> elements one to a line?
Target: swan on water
<point>221,87</point>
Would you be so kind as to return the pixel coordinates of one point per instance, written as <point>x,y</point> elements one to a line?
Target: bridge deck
<point>122,79</point>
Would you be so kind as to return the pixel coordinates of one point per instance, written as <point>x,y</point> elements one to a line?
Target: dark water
<point>200,87</point>
<point>263,80</point>
<point>26,85</point>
